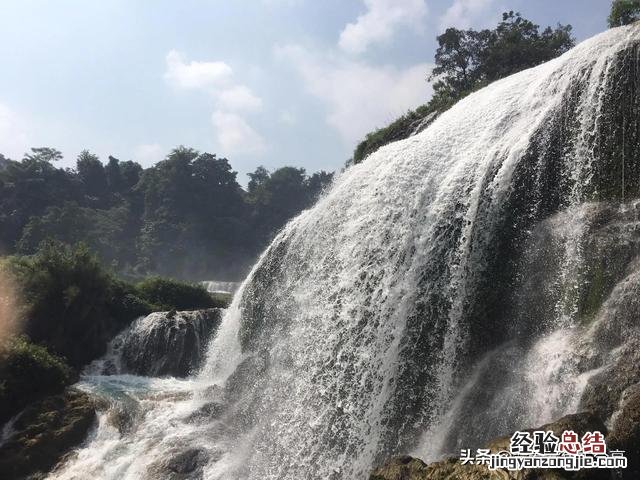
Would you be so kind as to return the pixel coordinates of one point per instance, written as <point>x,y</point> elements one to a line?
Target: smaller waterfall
<point>147,424</point>
<point>160,344</point>
<point>213,286</point>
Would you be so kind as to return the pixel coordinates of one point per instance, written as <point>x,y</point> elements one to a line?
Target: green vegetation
<point>70,308</point>
<point>467,60</point>
<point>27,372</point>
<point>169,294</point>
<point>73,306</point>
<point>624,12</point>
<point>186,217</point>
<point>70,303</point>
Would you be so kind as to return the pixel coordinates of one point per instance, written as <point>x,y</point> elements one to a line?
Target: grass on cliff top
<point>403,126</point>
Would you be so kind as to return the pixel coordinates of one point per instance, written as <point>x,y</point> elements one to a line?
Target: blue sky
<point>262,82</point>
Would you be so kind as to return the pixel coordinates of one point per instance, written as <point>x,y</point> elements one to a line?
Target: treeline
<point>467,60</point>
<point>185,217</point>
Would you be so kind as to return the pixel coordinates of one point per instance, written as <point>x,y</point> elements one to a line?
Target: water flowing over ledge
<point>442,292</point>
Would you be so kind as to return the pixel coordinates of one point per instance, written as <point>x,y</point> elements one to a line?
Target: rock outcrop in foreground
<point>44,432</point>
<point>625,435</point>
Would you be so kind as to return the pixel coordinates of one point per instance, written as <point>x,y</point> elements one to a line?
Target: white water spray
<point>356,331</point>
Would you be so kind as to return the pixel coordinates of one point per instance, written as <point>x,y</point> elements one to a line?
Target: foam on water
<point>354,336</point>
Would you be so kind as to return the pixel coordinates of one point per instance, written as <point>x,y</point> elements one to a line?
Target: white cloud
<point>233,132</point>
<point>465,13</point>
<point>216,78</point>
<point>235,135</point>
<point>200,75</point>
<point>359,97</point>
<point>238,98</point>
<point>148,154</point>
<point>14,140</point>
<point>288,118</point>
<point>380,22</point>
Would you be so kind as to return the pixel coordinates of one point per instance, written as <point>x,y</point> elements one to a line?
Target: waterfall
<point>441,291</point>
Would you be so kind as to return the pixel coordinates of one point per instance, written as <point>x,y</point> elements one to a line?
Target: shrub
<point>71,304</point>
<point>74,307</point>
<point>28,372</point>
<point>167,294</point>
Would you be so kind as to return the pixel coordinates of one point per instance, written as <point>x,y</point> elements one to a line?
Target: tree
<point>114,175</point>
<point>317,183</point>
<point>257,179</point>
<point>92,174</point>
<point>624,12</point>
<point>516,44</point>
<point>187,216</point>
<point>458,59</point>
<point>43,154</point>
<point>469,59</point>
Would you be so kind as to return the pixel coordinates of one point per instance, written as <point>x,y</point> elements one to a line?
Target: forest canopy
<point>185,217</point>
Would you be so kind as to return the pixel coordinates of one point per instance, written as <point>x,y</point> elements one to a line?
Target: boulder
<point>625,433</point>
<point>181,465</point>
<point>409,468</point>
<point>604,390</point>
<point>169,343</point>
<point>44,432</point>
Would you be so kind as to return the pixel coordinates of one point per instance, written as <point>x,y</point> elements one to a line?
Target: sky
<point>260,82</point>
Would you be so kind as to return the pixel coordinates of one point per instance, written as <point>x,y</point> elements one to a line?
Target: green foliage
<point>72,305</point>
<point>167,294</point>
<point>278,196</point>
<point>104,230</point>
<point>27,372</point>
<point>624,12</point>
<point>467,60</point>
<point>186,217</point>
<point>400,128</point>
<point>92,174</point>
<point>43,154</point>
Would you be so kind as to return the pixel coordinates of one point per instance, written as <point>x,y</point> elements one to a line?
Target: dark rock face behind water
<point>625,433</point>
<point>169,343</point>
<point>409,468</point>
<point>44,432</point>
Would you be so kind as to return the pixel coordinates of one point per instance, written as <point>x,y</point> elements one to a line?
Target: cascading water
<point>406,309</point>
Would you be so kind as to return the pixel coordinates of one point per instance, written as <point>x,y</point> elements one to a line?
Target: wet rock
<point>247,373</point>
<point>409,468</point>
<point>169,343</point>
<point>124,417</point>
<point>625,434</point>
<point>181,465</point>
<point>578,422</point>
<point>209,411</point>
<point>44,432</point>
<point>604,390</point>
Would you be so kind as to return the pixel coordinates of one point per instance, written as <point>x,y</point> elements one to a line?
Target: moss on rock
<point>44,432</point>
